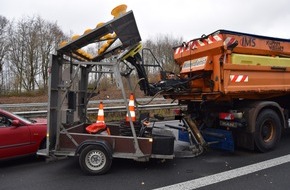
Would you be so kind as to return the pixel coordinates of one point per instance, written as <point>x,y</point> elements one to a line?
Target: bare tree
<point>162,50</point>
<point>4,23</point>
<point>50,36</point>
<point>32,40</point>
<point>18,54</point>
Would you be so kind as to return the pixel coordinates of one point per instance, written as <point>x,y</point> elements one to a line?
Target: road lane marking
<point>227,175</point>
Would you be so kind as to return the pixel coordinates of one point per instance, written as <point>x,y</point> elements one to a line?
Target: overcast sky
<point>180,18</point>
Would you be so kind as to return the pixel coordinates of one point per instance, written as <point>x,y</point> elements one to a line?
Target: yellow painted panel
<point>243,59</point>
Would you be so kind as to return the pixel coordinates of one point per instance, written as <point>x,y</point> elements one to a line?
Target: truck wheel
<point>267,130</point>
<point>94,160</point>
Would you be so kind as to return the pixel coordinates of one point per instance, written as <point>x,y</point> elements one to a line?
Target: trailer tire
<point>95,160</point>
<point>267,130</point>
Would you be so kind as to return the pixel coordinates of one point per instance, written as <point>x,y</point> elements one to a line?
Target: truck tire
<point>95,160</point>
<point>267,130</point>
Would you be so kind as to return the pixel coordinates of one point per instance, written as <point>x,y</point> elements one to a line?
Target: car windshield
<point>23,119</point>
<point>19,117</point>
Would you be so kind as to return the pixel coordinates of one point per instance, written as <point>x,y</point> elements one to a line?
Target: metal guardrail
<point>45,104</point>
<point>43,113</point>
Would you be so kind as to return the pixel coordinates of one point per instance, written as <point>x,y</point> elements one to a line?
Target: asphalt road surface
<point>214,169</point>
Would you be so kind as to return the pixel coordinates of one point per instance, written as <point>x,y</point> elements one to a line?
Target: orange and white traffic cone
<point>131,109</point>
<point>101,117</point>
<point>99,126</point>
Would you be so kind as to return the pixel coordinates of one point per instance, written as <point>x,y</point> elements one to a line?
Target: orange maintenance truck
<point>235,83</point>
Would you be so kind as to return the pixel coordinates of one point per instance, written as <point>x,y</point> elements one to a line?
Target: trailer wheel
<point>94,160</point>
<point>267,130</point>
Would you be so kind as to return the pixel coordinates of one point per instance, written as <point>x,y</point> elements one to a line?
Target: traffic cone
<point>99,126</point>
<point>131,109</point>
<point>101,117</point>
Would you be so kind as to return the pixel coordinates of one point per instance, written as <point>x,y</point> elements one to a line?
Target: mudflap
<point>219,139</point>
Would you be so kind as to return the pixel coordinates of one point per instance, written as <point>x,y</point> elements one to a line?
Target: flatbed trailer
<point>71,69</point>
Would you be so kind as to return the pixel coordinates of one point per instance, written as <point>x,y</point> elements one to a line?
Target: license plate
<point>228,124</point>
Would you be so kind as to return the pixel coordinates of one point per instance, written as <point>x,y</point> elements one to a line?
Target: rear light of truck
<point>227,116</point>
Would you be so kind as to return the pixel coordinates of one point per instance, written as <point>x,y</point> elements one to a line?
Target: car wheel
<point>94,160</point>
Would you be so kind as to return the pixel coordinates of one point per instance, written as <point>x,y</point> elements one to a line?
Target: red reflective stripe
<point>239,78</point>
<point>198,43</point>
<point>244,78</point>
<point>235,77</point>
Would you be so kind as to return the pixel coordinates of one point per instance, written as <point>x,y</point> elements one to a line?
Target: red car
<point>20,136</point>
